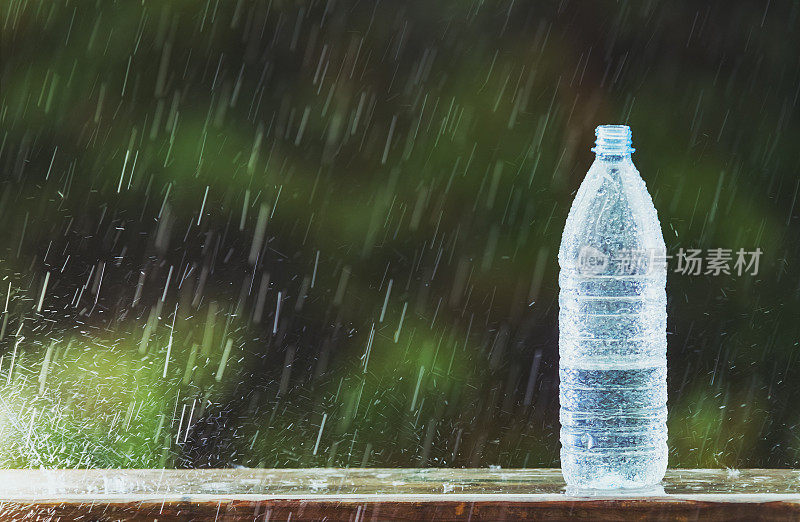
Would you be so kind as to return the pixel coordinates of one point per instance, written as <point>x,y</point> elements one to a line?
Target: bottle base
<point>603,472</point>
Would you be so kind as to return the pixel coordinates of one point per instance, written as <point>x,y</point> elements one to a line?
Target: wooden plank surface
<point>387,494</point>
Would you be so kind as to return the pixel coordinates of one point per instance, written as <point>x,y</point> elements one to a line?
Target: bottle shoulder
<point>612,214</point>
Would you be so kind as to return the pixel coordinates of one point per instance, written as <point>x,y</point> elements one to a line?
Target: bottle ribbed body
<point>612,333</point>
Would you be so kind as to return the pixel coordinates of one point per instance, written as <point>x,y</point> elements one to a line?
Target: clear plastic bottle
<point>612,327</point>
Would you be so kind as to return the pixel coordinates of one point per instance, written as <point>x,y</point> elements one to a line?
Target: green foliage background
<point>361,204</point>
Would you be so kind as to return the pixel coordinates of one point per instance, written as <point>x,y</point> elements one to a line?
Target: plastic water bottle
<point>612,322</point>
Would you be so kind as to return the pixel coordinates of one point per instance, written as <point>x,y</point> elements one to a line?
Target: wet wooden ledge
<point>386,494</point>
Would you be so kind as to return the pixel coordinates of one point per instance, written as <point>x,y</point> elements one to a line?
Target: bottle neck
<point>612,157</point>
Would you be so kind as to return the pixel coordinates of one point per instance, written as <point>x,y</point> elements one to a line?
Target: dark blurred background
<point>324,233</point>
